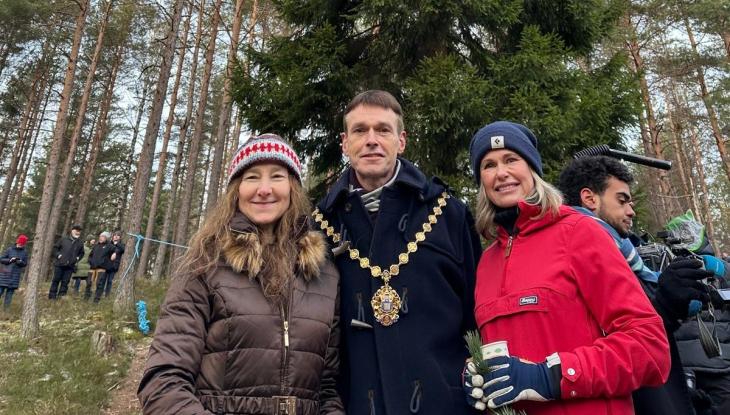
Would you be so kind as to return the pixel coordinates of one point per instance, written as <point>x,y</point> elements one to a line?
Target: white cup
<point>494,349</point>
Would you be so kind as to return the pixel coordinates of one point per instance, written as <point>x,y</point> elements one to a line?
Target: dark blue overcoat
<point>413,366</point>
<point>10,271</point>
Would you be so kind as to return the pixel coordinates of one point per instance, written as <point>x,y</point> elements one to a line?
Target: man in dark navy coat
<point>407,253</point>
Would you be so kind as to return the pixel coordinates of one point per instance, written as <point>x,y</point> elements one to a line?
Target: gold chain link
<point>411,247</point>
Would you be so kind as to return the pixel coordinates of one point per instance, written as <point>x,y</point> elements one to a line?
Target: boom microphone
<point>604,150</point>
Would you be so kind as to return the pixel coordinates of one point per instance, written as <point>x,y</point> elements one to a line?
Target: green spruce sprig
<point>474,345</point>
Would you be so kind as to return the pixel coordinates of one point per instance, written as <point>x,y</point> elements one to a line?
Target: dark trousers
<point>8,296</point>
<point>93,280</point>
<point>59,284</point>
<point>108,286</point>
<point>103,285</point>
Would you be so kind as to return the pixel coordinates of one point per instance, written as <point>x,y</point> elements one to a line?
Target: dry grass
<point>57,372</point>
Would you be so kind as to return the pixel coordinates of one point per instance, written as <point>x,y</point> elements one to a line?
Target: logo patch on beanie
<point>497,141</point>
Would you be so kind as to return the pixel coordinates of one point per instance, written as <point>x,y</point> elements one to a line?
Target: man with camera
<point>600,187</point>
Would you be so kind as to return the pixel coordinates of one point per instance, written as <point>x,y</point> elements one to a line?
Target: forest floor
<point>58,372</point>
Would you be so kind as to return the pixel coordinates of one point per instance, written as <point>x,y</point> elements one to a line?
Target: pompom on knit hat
<point>22,240</point>
<point>504,135</point>
<point>264,147</point>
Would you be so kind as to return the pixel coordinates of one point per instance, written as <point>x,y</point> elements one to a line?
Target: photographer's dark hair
<point>591,172</point>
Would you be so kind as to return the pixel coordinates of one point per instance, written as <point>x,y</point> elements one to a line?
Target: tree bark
<point>23,136</point>
<point>162,164</point>
<point>79,179</point>
<point>682,166</point>
<point>29,327</point>
<point>711,114</point>
<point>192,161</point>
<point>159,268</point>
<point>225,109</point>
<point>122,200</point>
<point>233,143</point>
<point>705,196</point>
<point>649,128</point>
<point>27,121</point>
<point>34,131</point>
<point>201,201</point>
<point>60,195</point>
<point>13,205</point>
<point>124,300</point>
<point>96,142</point>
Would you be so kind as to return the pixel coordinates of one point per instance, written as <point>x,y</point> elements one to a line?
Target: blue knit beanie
<point>507,135</point>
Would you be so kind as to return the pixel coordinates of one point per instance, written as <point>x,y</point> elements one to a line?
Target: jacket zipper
<point>508,250</point>
<point>285,311</point>
<point>285,355</point>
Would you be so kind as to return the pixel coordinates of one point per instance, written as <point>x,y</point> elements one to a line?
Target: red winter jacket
<point>564,287</point>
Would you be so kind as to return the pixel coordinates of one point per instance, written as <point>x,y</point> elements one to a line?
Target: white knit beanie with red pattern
<point>264,147</point>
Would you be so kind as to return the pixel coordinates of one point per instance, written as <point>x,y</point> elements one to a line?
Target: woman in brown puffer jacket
<point>249,325</point>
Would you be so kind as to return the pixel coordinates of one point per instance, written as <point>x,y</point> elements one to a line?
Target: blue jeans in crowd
<point>8,296</point>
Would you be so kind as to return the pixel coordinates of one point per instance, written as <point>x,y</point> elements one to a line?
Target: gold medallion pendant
<point>386,304</point>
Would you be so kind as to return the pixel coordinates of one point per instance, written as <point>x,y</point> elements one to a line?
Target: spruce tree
<point>454,65</point>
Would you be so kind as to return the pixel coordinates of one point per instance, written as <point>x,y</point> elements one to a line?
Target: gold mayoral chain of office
<point>386,302</point>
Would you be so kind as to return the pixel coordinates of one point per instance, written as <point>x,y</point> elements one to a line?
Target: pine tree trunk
<point>250,33</point>
<point>96,143</point>
<point>13,205</point>
<point>233,142</point>
<point>726,41</point>
<point>23,137</point>
<point>124,299</point>
<point>225,109</point>
<point>34,131</point>
<point>179,172</point>
<point>682,168</point>
<point>60,195</point>
<point>29,326</point>
<point>649,129</point>
<point>695,141</point>
<point>26,126</point>
<point>711,114</point>
<point>162,164</point>
<point>192,161</point>
<point>159,268</point>
<point>78,179</point>
<point>122,199</point>
<point>201,201</point>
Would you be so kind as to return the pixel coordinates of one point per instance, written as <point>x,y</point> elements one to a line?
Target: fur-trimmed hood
<point>242,248</point>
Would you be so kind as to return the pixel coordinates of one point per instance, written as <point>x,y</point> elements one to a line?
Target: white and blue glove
<point>473,382</point>
<point>511,380</point>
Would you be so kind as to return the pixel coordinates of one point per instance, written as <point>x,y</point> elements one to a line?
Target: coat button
<point>573,394</point>
<point>348,207</point>
<point>571,371</point>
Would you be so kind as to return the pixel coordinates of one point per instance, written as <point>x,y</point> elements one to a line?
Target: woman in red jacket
<point>581,333</point>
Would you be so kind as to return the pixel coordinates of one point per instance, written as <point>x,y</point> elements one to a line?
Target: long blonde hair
<point>543,194</point>
<point>206,245</point>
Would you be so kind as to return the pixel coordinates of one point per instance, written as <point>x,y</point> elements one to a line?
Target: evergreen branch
<point>474,345</point>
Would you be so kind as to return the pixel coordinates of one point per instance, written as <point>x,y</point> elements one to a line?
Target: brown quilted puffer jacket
<point>221,347</point>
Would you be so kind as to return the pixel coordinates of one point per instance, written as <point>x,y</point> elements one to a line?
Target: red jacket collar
<point>528,220</point>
